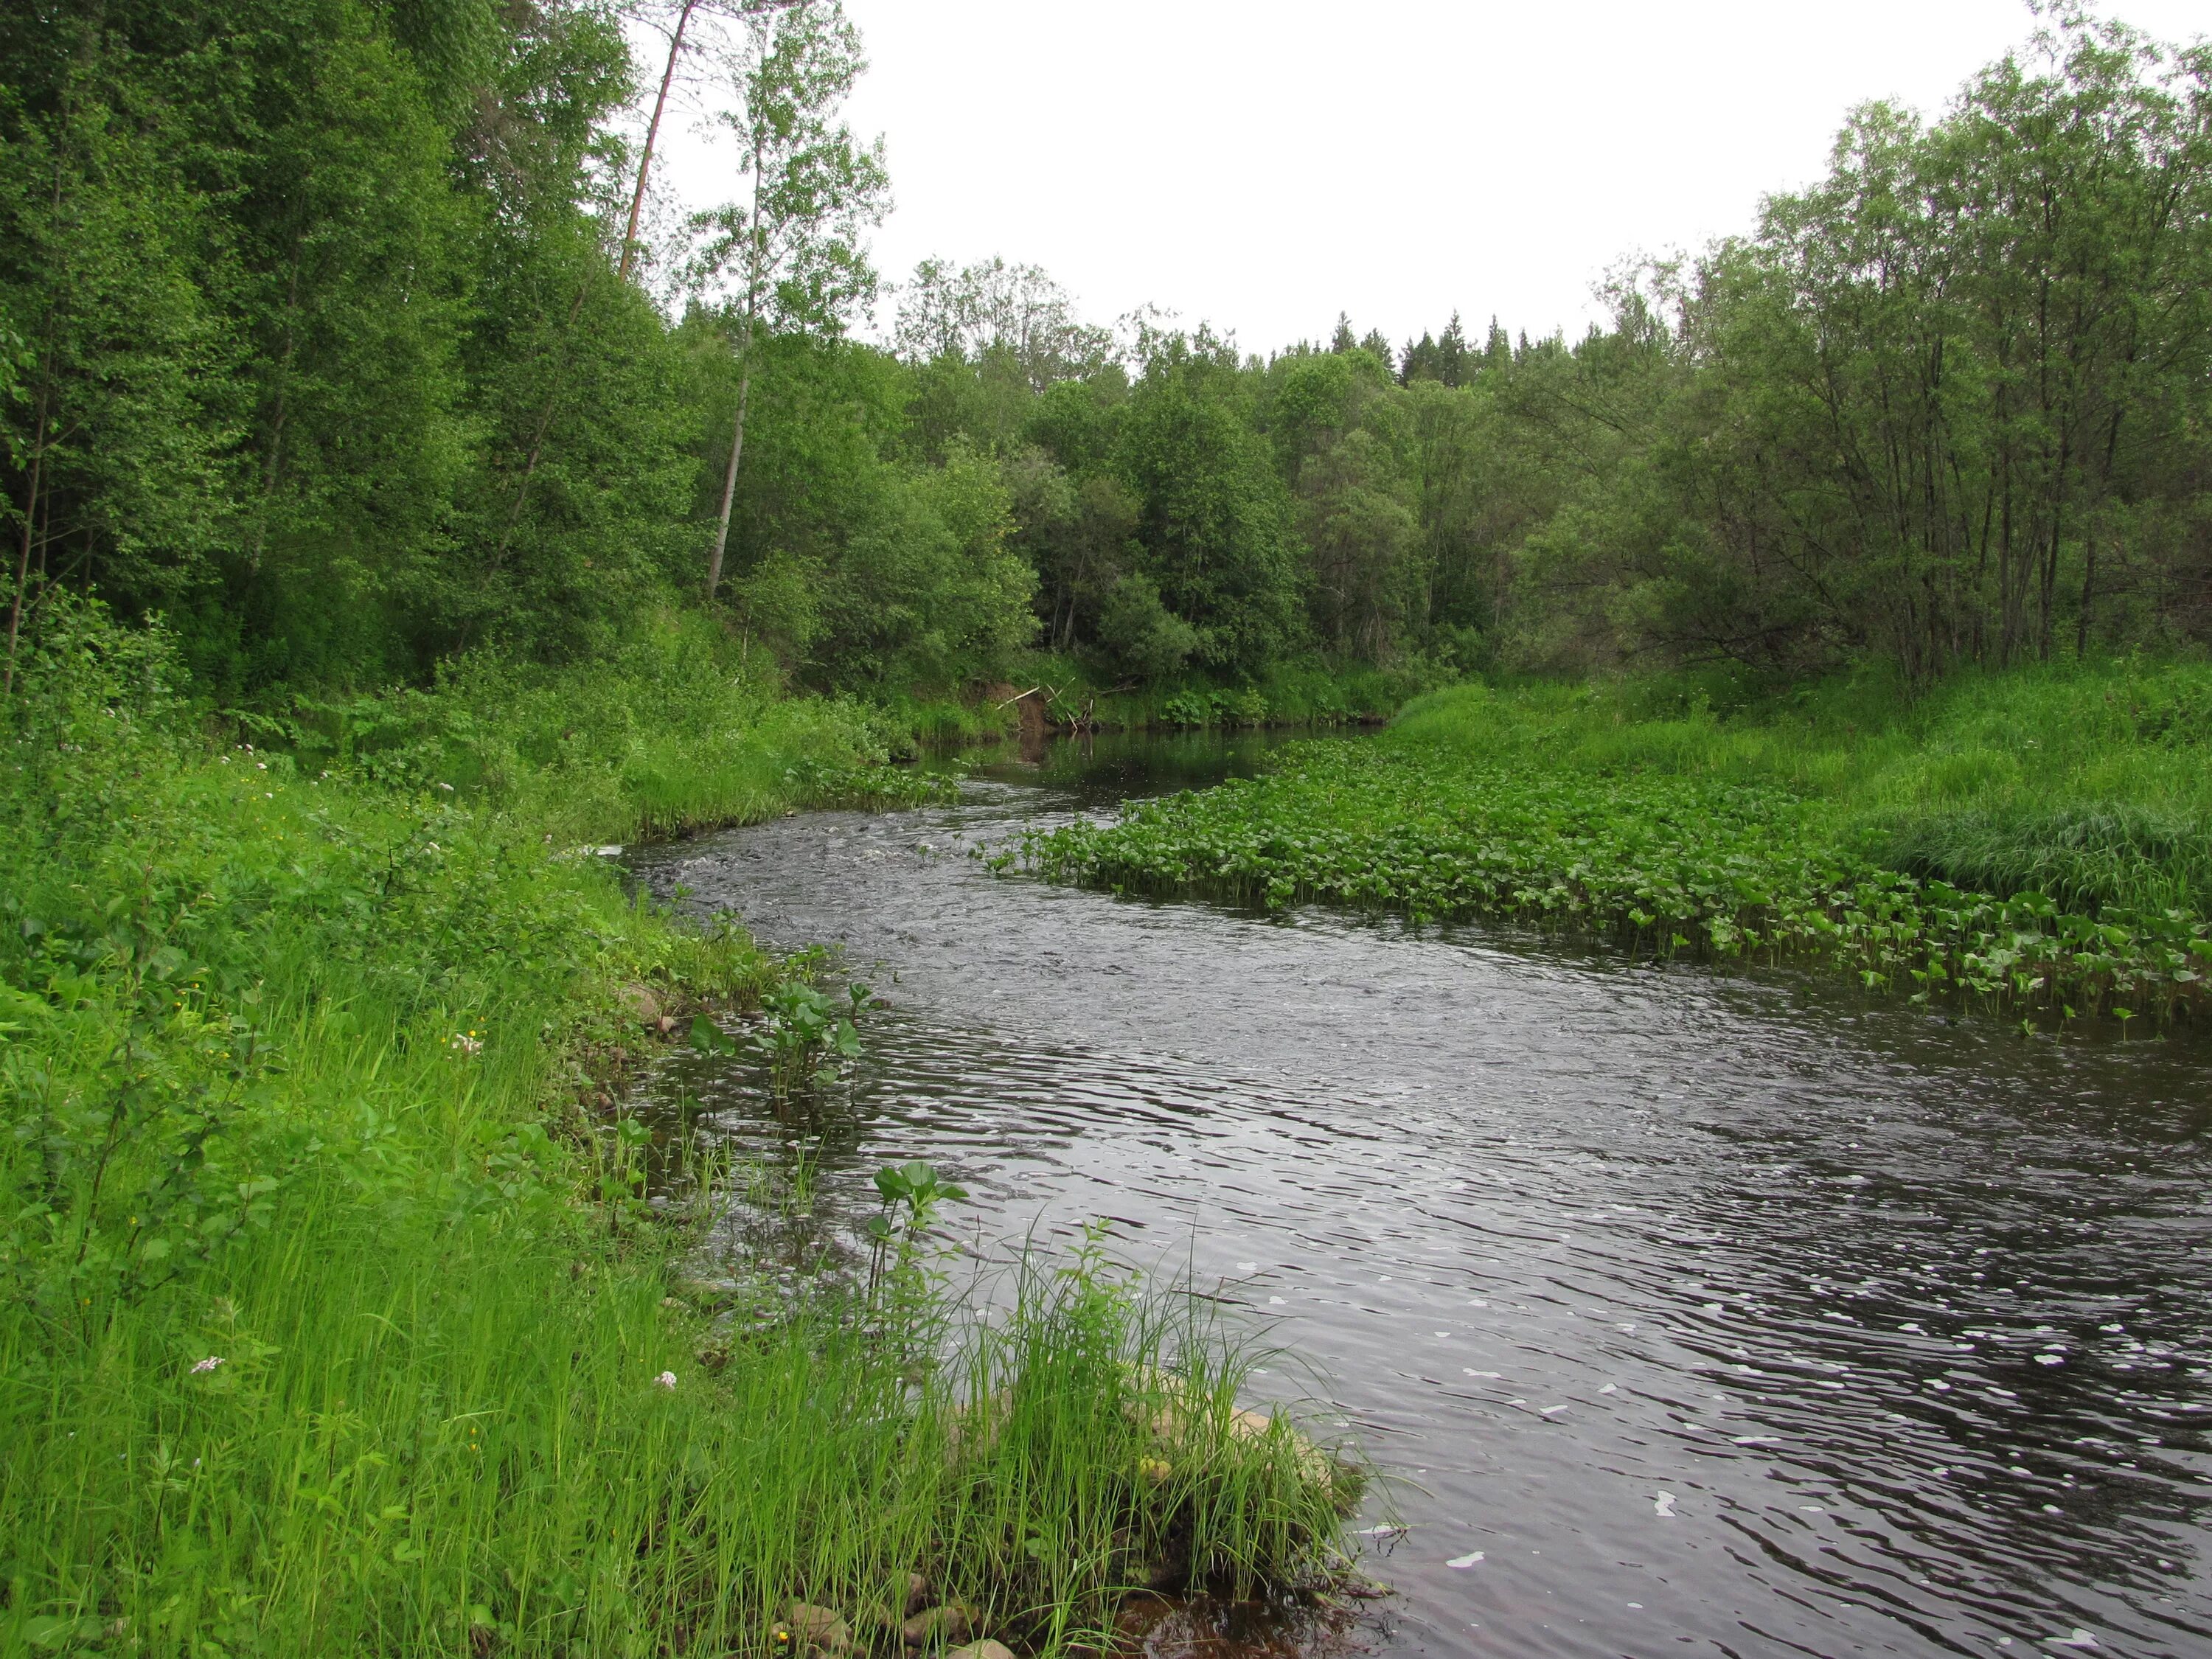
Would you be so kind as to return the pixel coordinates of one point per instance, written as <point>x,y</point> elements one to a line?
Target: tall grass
<point>2091,783</point>
<point>673,731</point>
<point>332,1322</point>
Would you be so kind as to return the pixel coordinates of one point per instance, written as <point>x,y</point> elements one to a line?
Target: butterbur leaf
<point>920,1177</point>
<point>879,1228</point>
<point>892,1184</point>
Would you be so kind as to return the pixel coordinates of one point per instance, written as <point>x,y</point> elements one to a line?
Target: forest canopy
<point>321,334</point>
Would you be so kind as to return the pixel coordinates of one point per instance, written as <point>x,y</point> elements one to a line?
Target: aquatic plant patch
<point>1665,864</point>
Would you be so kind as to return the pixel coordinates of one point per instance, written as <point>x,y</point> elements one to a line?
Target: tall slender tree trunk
<point>274,462</point>
<point>652,135</point>
<point>23,554</point>
<point>730,472</point>
<point>756,279</point>
<point>576,306</point>
<point>2081,622</point>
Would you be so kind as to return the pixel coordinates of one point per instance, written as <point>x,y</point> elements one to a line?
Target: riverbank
<point>332,1316</point>
<point>1061,695</point>
<point>2037,842</point>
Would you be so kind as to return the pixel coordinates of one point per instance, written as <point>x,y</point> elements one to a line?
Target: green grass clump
<point>332,1323</point>
<point>670,734</point>
<point>1663,862</point>
<point>2089,783</point>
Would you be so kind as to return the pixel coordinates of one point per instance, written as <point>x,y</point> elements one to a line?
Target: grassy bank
<point>2090,784</point>
<point>2038,842</point>
<point>331,1318</point>
<point>1291,694</point>
<point>671,733</point>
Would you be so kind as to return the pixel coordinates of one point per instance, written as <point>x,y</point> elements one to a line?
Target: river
<point>1683,1310</point>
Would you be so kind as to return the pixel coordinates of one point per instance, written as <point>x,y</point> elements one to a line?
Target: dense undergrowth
<point>670,732</point>
<point>2037,840</point>
<point>1077,696</point>
<point>332,1318</point>
<point>1284,694</point>
<point>2090,783</point>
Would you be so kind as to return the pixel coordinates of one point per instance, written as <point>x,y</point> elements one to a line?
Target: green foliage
<point>292,278</point>
<point>911,1192</point>
<point>1214,517</point>
<point>332,1317</point>
<point>801,1034</point>
<point>2069,780</point>
<point>315,343</point>
<point>1946,405</point>
<point>1220,706</point>
<point>1143,634</point>
<point>788,254</point>
<point>929,587</point>
<point>1663,862</point>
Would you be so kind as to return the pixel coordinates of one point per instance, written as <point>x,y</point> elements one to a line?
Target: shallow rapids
<point>1682,1310</point>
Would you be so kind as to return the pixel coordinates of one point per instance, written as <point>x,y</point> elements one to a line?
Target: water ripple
<point>1712,1310</point>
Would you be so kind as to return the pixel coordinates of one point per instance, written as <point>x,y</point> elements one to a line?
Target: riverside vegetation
<point>337,332</point>
<point>401,503</point>
<point>332,1317</point>
<point>2041,843</point>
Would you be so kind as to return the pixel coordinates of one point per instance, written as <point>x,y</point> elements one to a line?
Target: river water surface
<point>1683,1311</point>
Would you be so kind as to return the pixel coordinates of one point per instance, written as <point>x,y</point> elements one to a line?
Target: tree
<point>927,587</point>
<point>1955,386</point>
<point>993,305</point>
<point>685,12</point>
<point>1361,537</point>
<point>114,447</point>
<point>789,253</point>
<point>1214,526</point>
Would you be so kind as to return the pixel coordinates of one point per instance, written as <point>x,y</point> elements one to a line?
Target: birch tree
<point>787,253</point>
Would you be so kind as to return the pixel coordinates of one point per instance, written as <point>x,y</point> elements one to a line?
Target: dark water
<point>1689,1312</point>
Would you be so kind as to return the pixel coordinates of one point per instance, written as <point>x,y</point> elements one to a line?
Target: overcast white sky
<point>1264,166</point>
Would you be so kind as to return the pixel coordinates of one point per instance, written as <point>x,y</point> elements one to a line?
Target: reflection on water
<point>1685,1309</point>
